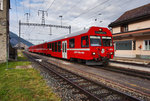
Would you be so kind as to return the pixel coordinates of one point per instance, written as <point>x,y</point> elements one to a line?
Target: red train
<point>93,46</point>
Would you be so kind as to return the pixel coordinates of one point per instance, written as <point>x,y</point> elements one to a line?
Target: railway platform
<point>132,60</point>
<point>131,63</point>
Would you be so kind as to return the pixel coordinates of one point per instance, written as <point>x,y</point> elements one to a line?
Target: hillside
<point>14,40</point>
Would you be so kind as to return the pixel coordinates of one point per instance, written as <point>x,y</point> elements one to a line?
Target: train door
<point>64,49</point>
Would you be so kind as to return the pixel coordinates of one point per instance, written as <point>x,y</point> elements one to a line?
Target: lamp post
<point>61,19</point>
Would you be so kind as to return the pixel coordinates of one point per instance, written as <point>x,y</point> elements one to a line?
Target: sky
<point>79,14</point>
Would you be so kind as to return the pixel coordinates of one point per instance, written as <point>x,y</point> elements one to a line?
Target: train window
<point>71,43</point>
<point>59,46</point>
<point>55,46</point>
<point>50,45</point>
<point>65,48</point>
<point>95,40</point>
<point>107,41</point>
<point>47,45</point>
<point>84,41</point>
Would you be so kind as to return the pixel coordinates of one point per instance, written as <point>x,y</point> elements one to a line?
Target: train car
<point>93,46</point>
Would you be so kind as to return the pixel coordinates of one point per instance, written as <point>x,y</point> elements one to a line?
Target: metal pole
<point>7,47</point>
<point>50,30</point>
<point>61,19</point>
<point>19,43</point>
<point>28,14</point>
<point>69,29</point>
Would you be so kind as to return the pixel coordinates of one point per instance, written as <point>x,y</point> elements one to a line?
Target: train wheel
<point>106,63</point>
<point>80,61</point>
<point>71,59</point>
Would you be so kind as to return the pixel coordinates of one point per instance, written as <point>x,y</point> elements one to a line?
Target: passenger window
<point>84,41</point>
<point>50,45</point>
<point>47,45</point>
<point>71,43</point>
<point>59,46</point>
<point>55,46</point>
<point>65,48</point>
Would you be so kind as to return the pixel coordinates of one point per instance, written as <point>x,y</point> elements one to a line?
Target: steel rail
<point>131,72</point>
<point>94,98</point>
<point>90,95</point>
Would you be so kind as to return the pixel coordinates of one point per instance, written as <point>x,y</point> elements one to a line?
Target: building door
<point>64,49</point>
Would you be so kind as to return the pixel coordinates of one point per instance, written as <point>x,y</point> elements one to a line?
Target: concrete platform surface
<point>132,60</point>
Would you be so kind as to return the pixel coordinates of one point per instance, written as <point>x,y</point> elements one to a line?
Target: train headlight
<point>93,53</point>
<point>100,30</point>
<point>111,53</point>
<point>103,50</point>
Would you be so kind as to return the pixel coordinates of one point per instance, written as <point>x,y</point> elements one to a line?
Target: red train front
<point>93,46</point>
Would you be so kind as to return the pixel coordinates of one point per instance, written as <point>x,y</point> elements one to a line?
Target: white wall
<point>116,30</point>
<point>139,25</point>
<point>133,26</point>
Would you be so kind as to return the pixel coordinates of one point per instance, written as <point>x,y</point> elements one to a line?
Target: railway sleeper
<point>86,86</point>
<point>81,82</point>
<point>73,79</point>
<point>91,89</point>
<point>103,95</point>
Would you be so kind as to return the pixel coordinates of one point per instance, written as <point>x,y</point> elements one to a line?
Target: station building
<point>131,33</point>
<point>4,29</point>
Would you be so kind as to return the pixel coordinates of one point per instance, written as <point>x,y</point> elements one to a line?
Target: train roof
<point>71,35</point>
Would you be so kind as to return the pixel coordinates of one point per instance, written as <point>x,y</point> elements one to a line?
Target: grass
<point>23,84</point>
<point>20,56</point>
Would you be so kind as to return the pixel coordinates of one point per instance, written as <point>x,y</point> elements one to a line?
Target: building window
<point>84,41</point>
<point>71,43</point>
<point>124,28</point>
<point>55,46</point>
<point>1,4</point>
<point>59,46</point>
<point>124,45</point>
<point>147,44</point>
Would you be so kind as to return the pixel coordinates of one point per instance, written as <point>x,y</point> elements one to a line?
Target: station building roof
<point>139,13</point>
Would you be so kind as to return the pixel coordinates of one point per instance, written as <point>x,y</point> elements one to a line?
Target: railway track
<point>90,90</point>
<point>134,64</point>
<point>131,72</point>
